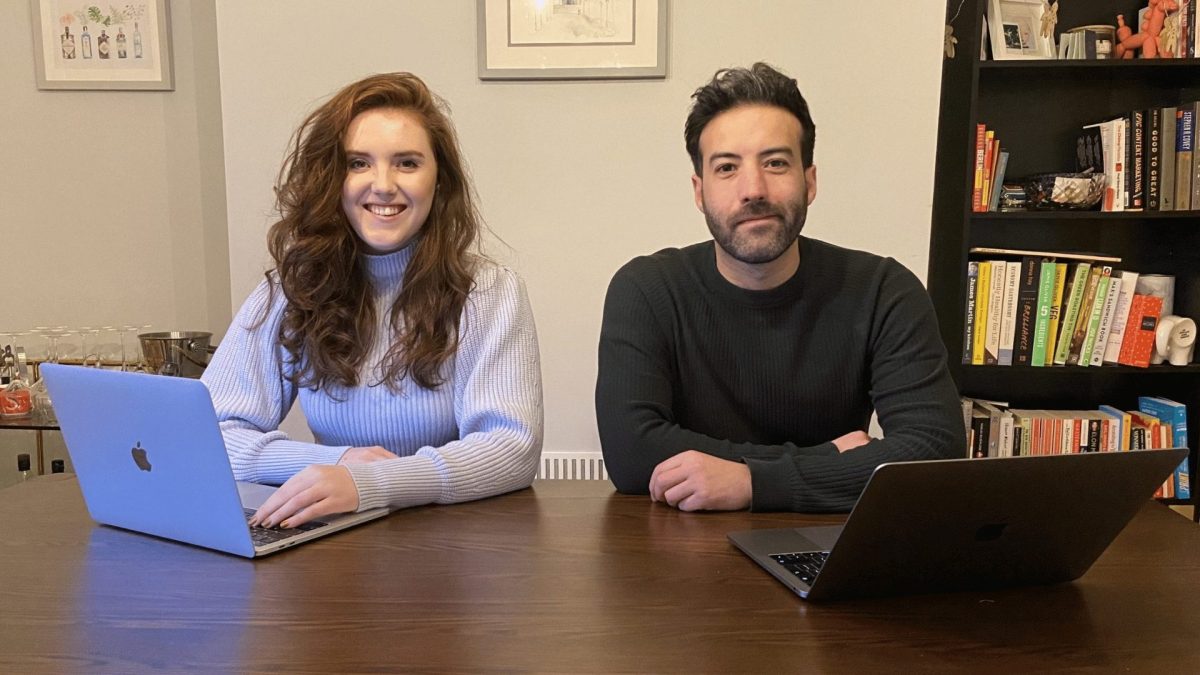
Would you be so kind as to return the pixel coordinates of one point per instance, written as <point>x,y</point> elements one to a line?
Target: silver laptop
<point>150,458</point>
<point>959,524</point>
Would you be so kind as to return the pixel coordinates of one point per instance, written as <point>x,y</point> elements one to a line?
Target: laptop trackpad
<point>822,537</point>
<point>253,494</point>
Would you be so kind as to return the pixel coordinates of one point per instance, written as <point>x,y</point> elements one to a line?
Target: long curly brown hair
<point>329,322</point>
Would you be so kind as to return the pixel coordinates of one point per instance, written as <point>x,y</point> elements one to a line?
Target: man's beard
<point>756,250</point>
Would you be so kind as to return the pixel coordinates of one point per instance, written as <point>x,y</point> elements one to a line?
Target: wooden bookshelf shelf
<point>1037,109</point>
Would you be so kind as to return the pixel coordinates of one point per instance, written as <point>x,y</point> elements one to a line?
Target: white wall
<point>578,177</point>
<point>113,207</point>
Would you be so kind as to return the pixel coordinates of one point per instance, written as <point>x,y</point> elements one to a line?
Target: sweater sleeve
<point>635,400</point>
<point>251,396</point>
<point>912,393</point>
<point>497,405</point>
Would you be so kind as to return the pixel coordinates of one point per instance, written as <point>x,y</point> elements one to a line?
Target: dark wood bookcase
<point>1037,109</point>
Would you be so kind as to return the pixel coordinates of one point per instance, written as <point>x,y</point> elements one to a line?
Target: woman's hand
<point>318,490</point>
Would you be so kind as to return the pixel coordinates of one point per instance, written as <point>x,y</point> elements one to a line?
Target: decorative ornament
<point>1049,19</point>
<point>949,41</point>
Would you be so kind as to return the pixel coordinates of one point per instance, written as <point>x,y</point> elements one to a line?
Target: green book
<point>1071,315</point>
<point>1045,297</point>
<point>1097,310</point>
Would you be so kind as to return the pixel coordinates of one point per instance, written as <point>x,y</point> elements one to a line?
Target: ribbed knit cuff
<point>776,484</point>
<point>410,481</point>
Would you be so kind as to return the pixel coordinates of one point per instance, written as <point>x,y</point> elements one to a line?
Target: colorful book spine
<point>1112,350</point>
<point>1138,344</point>
<point>1083,317</point>
<point>1069,317</point>
<point>969,313</point>
<point>1167,164</point>
<point>981,312</point>
<point>991,345</point>
<point>1107,313</point>
<point>1060,283</point>
<point>1137,160</point>
<point>1008,316</point>
<point>998,182</point>
<point>1175,414</point>
<point>977,188</point>
<point>1154,159</point>
<point>1047,273</point>
<point>1183,157</point>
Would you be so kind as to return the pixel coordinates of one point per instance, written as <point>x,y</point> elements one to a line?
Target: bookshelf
<point>1037,109</point>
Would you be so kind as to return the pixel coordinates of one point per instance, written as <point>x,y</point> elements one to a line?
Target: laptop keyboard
<point>804,565</point>
<point>262,536</point>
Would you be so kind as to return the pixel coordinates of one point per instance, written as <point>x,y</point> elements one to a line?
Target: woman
<point>415,359</point>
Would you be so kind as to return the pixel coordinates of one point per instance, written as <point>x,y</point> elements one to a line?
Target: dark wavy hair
<point>329,321</point>
<point>760,84</point>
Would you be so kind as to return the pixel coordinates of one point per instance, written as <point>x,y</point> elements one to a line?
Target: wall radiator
<point>572,466</point>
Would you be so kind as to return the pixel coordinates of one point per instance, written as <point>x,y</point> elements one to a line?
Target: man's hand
<point>374,453</point>
<point>694,481</point>
<point>318,490</point>
<point>851,440</point>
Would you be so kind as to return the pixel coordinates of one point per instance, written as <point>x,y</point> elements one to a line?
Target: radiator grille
<point>572,466</point>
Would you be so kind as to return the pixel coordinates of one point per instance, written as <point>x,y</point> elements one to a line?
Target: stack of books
<point>991,161</point>
<point>1146,157</point>
<point>996,430</point>
<point>1039,308</point>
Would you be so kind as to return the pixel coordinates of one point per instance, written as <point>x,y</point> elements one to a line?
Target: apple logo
<point>139,457</point>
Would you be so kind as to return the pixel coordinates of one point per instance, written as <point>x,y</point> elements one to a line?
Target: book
<point>998,183</point>
<point>969,313</point>
<point>977,189</point>
<point>1138,344</point>
<point>991,343</point>
<point>1108,312</point>
<point>1137,160</point>
<point>1167,159</point>
<point>1121,418</point>
<point>1121,314</point>
<point>1060,282</point>
<point>985,189</point>
<point>1175,414</point>
<point>1047,271</point>
<point>1195,197</point>
<point>1071,314</point>
<point>1094,318</point>
<point>980,428</point>
<point>1084,315</point>
<point>1184,118</point>
<point>981,309</point>
<point>1118,135</point>
<point>1153,159</point>
<point>1008,316</point>
<point>1025,311</point>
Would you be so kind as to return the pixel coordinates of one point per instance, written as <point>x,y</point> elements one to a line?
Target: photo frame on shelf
<point>1016,30</point>
<point>77,44</point>
<point>571,39</point>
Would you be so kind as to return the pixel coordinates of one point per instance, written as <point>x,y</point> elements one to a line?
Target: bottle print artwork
<point>120,43</point>
<point>102,44</point>
<point>86,39</point>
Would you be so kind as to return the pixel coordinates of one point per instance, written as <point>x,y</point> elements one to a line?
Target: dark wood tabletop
<point>566,576</point>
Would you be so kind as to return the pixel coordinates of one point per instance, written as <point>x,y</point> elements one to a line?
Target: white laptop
<point>150,458</point>
<point>959,524</point>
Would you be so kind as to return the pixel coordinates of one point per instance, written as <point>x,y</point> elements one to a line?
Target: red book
<point>977,187</point>
<point>1138,343</point>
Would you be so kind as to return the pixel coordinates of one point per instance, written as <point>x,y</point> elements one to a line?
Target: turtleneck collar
<point>388,269</point>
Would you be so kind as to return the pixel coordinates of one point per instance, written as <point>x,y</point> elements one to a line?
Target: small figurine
<point>1174,340</point>
<point>1147,38</point>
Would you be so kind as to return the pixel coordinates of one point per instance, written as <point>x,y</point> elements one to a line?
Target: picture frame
<point>135,56</point>
<point>571,39</point>
<point>1015,27</point>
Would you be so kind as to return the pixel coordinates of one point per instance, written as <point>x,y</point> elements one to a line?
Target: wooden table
<point>567,576</point>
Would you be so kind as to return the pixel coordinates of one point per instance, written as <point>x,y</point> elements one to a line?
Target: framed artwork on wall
<point>80,44</point>
<point>571,39</point>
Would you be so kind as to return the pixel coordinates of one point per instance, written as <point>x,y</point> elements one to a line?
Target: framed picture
<point>1016,30</point>
<point>81,44</point>
<point>572,39</point>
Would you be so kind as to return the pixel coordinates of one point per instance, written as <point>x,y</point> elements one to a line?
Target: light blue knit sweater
<point>477,435</point>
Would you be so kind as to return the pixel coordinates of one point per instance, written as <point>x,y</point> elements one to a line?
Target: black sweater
<point>689,361</point>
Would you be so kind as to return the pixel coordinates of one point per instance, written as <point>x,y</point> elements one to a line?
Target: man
<point>742,372</point>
